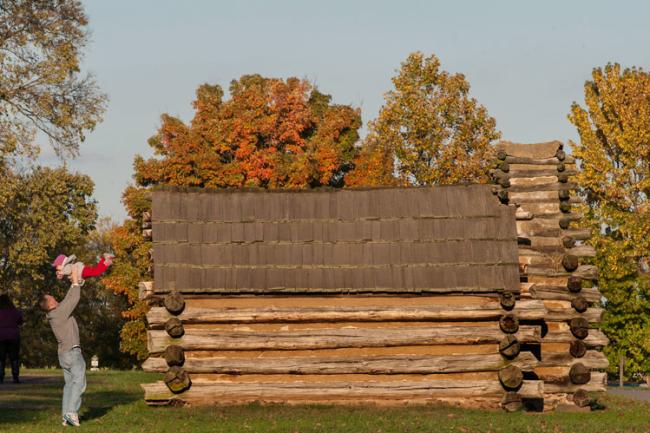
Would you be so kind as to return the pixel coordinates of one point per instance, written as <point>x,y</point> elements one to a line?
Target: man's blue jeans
<point>74,373</point>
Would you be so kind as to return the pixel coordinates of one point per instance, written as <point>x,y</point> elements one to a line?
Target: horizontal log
<point>547,149</point>
<point>582,251</point>
<point>539,197</point>
<point>598,383</point>
<point>595,339</point>
<point>547,186</point>
<point>522,215</point>
<point>586,272</point>
<point>145,289</point>
<point>538,161</point>
<point>394,364</point>
<point>556,237</point>
<point>206,339</point>
<point>525,310</point>
<point>578,250</point>
<point>539,291</point>
<point>337,392</point>
<point>523,173</point>
<point>533,180</point>
<point>592,359</point>
<point>593,315</point>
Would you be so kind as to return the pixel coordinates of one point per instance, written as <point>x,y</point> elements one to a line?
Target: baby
<point>66,265</point>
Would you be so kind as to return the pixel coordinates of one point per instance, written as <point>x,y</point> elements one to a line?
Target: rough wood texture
<point>511,377</point>
<point>580,304</point>
<point>393,364</point>
<point>595,339</point>
<point>592,359</point>
<point>598,383</point>
<point>174,327</point>
<point>145,289</point>
<point>586,272</point>
<point>553,185</point>
<point>592,315</point>
<point>509,346</point>
<point>177,380</point>
<point>577,349</point>
<point>386,240</point>
<point>542,291</point>
<point>173,356</point>
<point>206,339</point>
<point>537,161</point>
<point>509,324</point>
<point>547,149</point>
<point>511,402</point>
<point>579,374</point>
<point>174,303</point>
<point>581,398</point>
<point>524,310</point>
<point>335,392</point>
<point>579,327</point>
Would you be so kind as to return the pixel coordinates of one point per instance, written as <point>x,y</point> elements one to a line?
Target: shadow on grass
<point>99,403</point>
<point>39,399</point>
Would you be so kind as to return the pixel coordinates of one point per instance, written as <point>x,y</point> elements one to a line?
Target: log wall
<point>536,179</point>
<point>464,294</point>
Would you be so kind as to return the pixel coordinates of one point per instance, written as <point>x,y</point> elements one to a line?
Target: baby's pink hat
<point>59,260</point>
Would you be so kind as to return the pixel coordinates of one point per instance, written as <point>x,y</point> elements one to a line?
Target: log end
<point>174,356</point>
<point>579,374</point>
<point>577,348</point>
<point>511,377</point>
<point>174,327</point>
<point>174,303</point>
<point>509,347</point>
<point>511,402</point>
<point>509,324</point>
<point>177,380</point>
<point>580,304</point>
<point>570,262</point>
<point>579,327</point>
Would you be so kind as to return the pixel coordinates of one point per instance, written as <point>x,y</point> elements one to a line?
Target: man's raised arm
<point>71,299</point>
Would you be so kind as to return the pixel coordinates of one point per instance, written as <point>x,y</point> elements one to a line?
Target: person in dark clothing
<point>10,320</point>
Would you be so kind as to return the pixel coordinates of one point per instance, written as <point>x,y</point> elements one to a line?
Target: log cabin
<point>470,295</point>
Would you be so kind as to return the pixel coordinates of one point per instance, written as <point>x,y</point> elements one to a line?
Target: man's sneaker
<point>72,419</point>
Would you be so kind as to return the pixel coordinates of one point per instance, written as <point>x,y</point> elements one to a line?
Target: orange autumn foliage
<point>271,133</point>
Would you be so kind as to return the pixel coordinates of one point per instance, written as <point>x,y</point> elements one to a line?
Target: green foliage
<point>46,212</point>
<point>430,131</point>
<point>614,157</point>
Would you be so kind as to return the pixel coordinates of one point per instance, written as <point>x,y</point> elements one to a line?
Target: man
<point>65,329</point>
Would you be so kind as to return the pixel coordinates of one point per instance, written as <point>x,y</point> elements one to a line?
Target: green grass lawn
<point>113,403</point>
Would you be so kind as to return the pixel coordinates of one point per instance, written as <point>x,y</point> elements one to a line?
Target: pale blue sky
<point>526,61</point>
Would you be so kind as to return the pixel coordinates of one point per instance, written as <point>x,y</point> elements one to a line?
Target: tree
<point>131,266</point>
<point>41,86</point>
<point>428,132</point>
<point>45,211</point>
<point>614,156</point>
<point>271,133</point>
